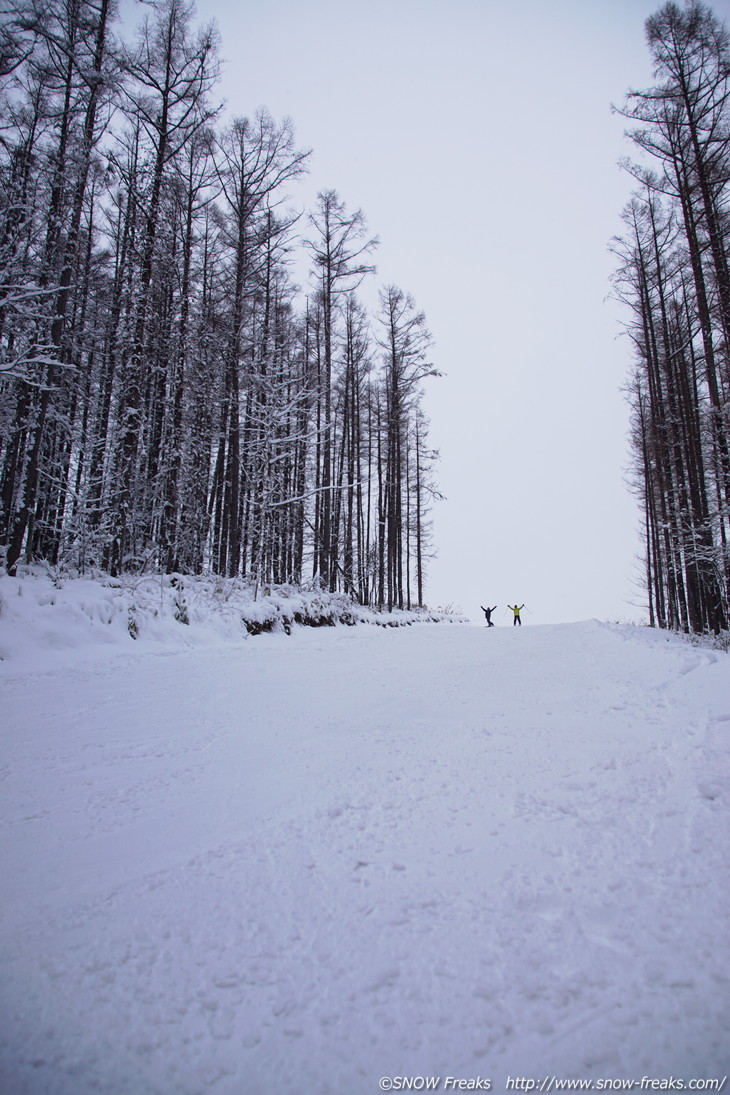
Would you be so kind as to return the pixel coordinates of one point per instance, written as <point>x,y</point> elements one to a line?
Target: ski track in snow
<point>296,865</point>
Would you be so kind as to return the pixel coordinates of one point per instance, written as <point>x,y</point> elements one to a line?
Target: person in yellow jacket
<point>516,609</point>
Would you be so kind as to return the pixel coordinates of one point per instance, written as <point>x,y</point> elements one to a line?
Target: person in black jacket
<point>488,613</point>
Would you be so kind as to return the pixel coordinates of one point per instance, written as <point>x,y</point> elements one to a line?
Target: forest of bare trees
<point>674,275</point>
<point>171,399</point>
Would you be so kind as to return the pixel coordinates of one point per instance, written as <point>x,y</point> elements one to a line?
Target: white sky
<point>478,139</point>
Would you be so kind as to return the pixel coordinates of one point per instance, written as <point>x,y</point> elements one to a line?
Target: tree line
<point>170,398</point>
<point>673,274</point>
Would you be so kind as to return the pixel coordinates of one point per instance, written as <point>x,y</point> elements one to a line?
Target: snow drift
<point>48,618</point>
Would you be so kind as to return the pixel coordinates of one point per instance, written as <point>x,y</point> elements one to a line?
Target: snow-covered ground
<point>320,863</point>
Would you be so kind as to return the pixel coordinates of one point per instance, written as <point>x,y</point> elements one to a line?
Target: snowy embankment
<point>49,619</point>
<point>300,864</point>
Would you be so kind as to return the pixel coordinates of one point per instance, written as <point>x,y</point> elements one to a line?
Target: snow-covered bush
<point>42,609</point>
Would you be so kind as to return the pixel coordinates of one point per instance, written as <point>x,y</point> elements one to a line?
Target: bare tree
<point>171,72</point>
<point>673,276</point>
<point>339,249</point>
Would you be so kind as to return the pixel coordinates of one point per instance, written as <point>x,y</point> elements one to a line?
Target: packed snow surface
<point>323,863</point>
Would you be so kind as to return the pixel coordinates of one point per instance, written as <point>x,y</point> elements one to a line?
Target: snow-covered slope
<point>300,864</point>
<point>50,621</point>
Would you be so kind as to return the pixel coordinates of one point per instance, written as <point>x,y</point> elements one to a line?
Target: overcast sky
<point>477,138</point>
